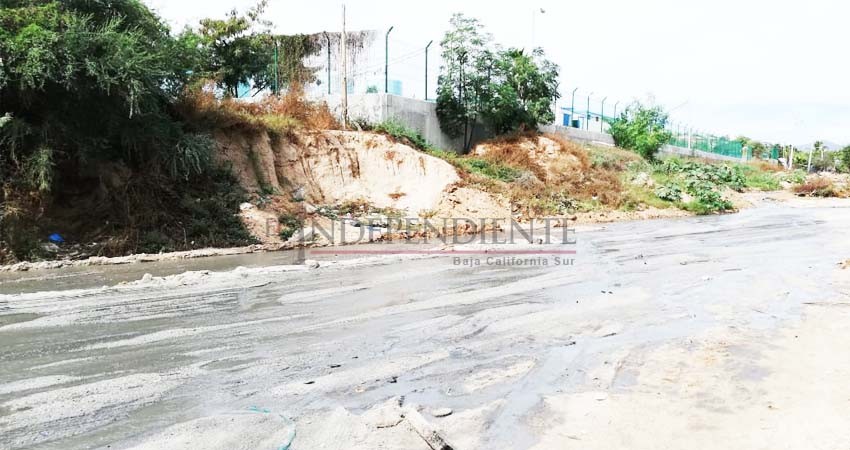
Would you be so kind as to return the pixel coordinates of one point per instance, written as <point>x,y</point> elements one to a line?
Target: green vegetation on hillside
<point>611,178</point>
<point>468,164</point>
<point>91,146</point>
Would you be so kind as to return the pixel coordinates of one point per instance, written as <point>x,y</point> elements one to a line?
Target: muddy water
<point>97,276</point>
<point>100,367</point>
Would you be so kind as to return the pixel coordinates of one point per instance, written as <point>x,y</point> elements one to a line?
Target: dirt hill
<point>318,170</point>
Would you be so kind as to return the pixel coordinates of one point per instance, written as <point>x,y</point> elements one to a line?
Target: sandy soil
<point>730,388</point>
<point>333,167</point>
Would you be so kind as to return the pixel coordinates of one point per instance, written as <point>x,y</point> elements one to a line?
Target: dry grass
<point>765,166</point>
<point>511,150</point>
<point>572,149</point>
<point>513,155</point>
<point>560,180</point>
<point>280,115</point>
<point>817,187</point>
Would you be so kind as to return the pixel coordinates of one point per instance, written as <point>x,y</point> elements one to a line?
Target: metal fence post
<point>387,61</point>
<point>573,109</point>
<point>426,68</point>
<point>328,39</point>
<point>602,118</point>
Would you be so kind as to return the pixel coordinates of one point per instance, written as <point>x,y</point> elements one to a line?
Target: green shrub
<point>289,225</point>
<point>402,133</point>
<point>843,157</point>
<point>641,129</point>
<point>760,179</point>
<point>694,172</point>
<point>796,177</point>
<point>670,192</point>
<point>701,181</point>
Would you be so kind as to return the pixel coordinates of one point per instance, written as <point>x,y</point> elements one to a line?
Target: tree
<point>238,50</point>
<point>464,82</point>
<point>86,80</point>
<point>642,129</point>
<point>523,91</point>
<point>844,159</point>
<point>509,90</point>
<point>758,148</point>
<point>87,90</point>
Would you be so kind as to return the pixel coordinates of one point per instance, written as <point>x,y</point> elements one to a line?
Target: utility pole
<point>791,158</point>
<point>344,73</point>
<point>534,26</point>
<point>387,61</point>
<point>809,168</point>
<point>587,122</point>
<point>426,69</point>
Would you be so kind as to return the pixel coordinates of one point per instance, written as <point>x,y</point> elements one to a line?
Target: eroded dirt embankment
<point>333,167</point>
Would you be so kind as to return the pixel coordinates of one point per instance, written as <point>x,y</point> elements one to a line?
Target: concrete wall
<point>576,134</point>
<point>422,116</point>
<point>417,114</point>
<point>595,137</point>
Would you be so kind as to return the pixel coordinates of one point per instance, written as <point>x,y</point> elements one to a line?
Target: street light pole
<point>387,61</point>
<point>573,108</point>
<point>615,108</point>
<point>534,26</point>
<point>426,68</point>
<point>587,114</point>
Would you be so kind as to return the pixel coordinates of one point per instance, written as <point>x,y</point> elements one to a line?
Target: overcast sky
<point>773,70</point>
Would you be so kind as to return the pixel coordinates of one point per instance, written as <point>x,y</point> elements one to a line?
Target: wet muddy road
<point>663,334</point>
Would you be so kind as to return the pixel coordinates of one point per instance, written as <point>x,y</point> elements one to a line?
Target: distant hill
<point>831,146</point>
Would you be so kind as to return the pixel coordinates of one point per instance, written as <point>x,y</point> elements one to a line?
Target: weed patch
<point>816,187</point>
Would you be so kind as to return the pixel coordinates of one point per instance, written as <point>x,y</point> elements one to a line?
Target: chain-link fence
<point>711,144</point>
<point>377,62</point>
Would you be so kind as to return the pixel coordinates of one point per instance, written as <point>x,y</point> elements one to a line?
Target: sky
<point>771,70</point>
